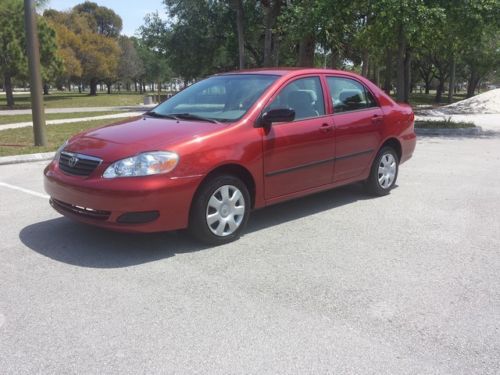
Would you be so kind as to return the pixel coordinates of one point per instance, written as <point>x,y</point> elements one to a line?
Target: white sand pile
<point>485,103</point>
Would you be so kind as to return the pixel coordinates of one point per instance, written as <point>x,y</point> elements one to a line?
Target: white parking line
<point>27,191</point>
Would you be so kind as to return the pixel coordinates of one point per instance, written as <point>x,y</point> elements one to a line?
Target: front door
<point>299,155</point>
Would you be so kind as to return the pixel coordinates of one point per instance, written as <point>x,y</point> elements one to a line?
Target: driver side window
<point>304,96</point>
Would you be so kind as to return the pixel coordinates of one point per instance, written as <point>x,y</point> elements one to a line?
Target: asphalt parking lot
<point>333,283</point>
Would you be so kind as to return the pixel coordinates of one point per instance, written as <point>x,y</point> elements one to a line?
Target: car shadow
<point>85,246</point>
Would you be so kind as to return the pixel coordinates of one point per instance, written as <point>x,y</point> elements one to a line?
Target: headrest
<point>301,96</point>
<point>350,96</point>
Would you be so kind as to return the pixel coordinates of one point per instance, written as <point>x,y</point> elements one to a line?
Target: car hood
<point>140,134</point>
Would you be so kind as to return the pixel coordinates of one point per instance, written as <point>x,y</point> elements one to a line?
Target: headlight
<point>59,150</point>
<point>144,164</point>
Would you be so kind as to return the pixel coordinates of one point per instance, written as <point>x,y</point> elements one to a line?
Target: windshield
<point>221,98</point>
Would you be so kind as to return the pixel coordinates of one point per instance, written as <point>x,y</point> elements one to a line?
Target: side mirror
<point>275,115</point>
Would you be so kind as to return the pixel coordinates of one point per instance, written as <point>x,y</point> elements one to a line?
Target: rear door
<point>299,155</point>
<point>358,120</point>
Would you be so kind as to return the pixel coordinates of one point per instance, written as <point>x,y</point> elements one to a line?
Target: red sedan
<point>229,144</point>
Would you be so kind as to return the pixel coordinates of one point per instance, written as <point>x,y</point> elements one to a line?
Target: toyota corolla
<point>228,144</point>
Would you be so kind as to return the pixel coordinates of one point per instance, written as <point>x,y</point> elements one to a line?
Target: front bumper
<point>104,203</point>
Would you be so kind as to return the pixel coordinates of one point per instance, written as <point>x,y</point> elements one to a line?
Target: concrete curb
<point>29,158</point>
<point>450,132</point>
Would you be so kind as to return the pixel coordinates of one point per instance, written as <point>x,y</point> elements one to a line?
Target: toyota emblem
<point>72,162</point>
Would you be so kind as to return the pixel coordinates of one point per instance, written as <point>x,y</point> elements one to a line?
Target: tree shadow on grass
<point>86,246</point>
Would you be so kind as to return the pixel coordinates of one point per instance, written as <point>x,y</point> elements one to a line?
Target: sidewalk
<point>140,107</point>
<point>71,120</point>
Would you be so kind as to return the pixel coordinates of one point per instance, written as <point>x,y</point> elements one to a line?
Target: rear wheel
<point>220,210</point>
<point>384,172</point>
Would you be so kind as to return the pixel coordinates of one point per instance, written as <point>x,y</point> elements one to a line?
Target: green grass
<point>20,141</point>
<point>443,124</point>
<point>12,119</point>
<point>74,99</point>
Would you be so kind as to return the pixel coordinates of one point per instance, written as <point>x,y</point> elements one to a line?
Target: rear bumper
<point>408,144</point>
<point>158,203</point>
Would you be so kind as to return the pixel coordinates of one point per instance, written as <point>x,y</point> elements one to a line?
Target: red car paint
<point>287,160</point>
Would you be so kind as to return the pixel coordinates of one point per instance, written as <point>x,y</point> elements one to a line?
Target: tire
<point>383,173</point>
<point>220,210</point>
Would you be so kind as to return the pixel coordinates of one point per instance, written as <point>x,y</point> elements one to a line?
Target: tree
<point>403,24</point>
<point>130,65</point>
<point>480,39</point>
<point>13,59</point>
<point>195,44</point>
<point>99,56</point>
<point>103,20</point>
<point>69,45</point>
<point>87,38</point>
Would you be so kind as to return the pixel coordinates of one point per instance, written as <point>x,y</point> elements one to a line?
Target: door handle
<point>325,128</point>
<point>377,119</point>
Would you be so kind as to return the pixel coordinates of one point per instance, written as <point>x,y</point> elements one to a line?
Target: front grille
<point>78,164</point>
<point>81,211</point>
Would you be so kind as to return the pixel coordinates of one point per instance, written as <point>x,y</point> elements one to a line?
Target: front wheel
<point>220,210</point>
<point>384,172</point>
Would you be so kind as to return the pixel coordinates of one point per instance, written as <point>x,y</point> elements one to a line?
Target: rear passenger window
<point>349,95</point>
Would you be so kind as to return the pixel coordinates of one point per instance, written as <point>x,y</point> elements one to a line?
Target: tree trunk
<point>45,89</point>
<point>306,51</point>
<point>472,83</point>
<point>93,87</point>
<point>451,87</point>
<point>365,58</point>
<point>276,50</point>
<point>427,87</point>
<point>268,33</point>
<point>400,74</point>
<point>271,10</point>
<point>407,77</point>
<point>439,92</point>
<point>135,86</point>
<point>388,71</point>
<point>8,90</point>
<point>238,4</point>
<point>335,59</point>
<point>108,85</point>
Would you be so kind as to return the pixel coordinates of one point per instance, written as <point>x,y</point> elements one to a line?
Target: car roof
<point>283,71</point>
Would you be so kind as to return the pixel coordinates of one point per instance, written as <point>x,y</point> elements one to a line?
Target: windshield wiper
<point>160,115</point>
<point>190,116</point>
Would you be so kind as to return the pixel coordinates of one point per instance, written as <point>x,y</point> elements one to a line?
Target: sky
<point>132,12</point>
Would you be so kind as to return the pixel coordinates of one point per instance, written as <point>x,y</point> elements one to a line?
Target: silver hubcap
<point>225,210</point>
<point>387,171</point>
